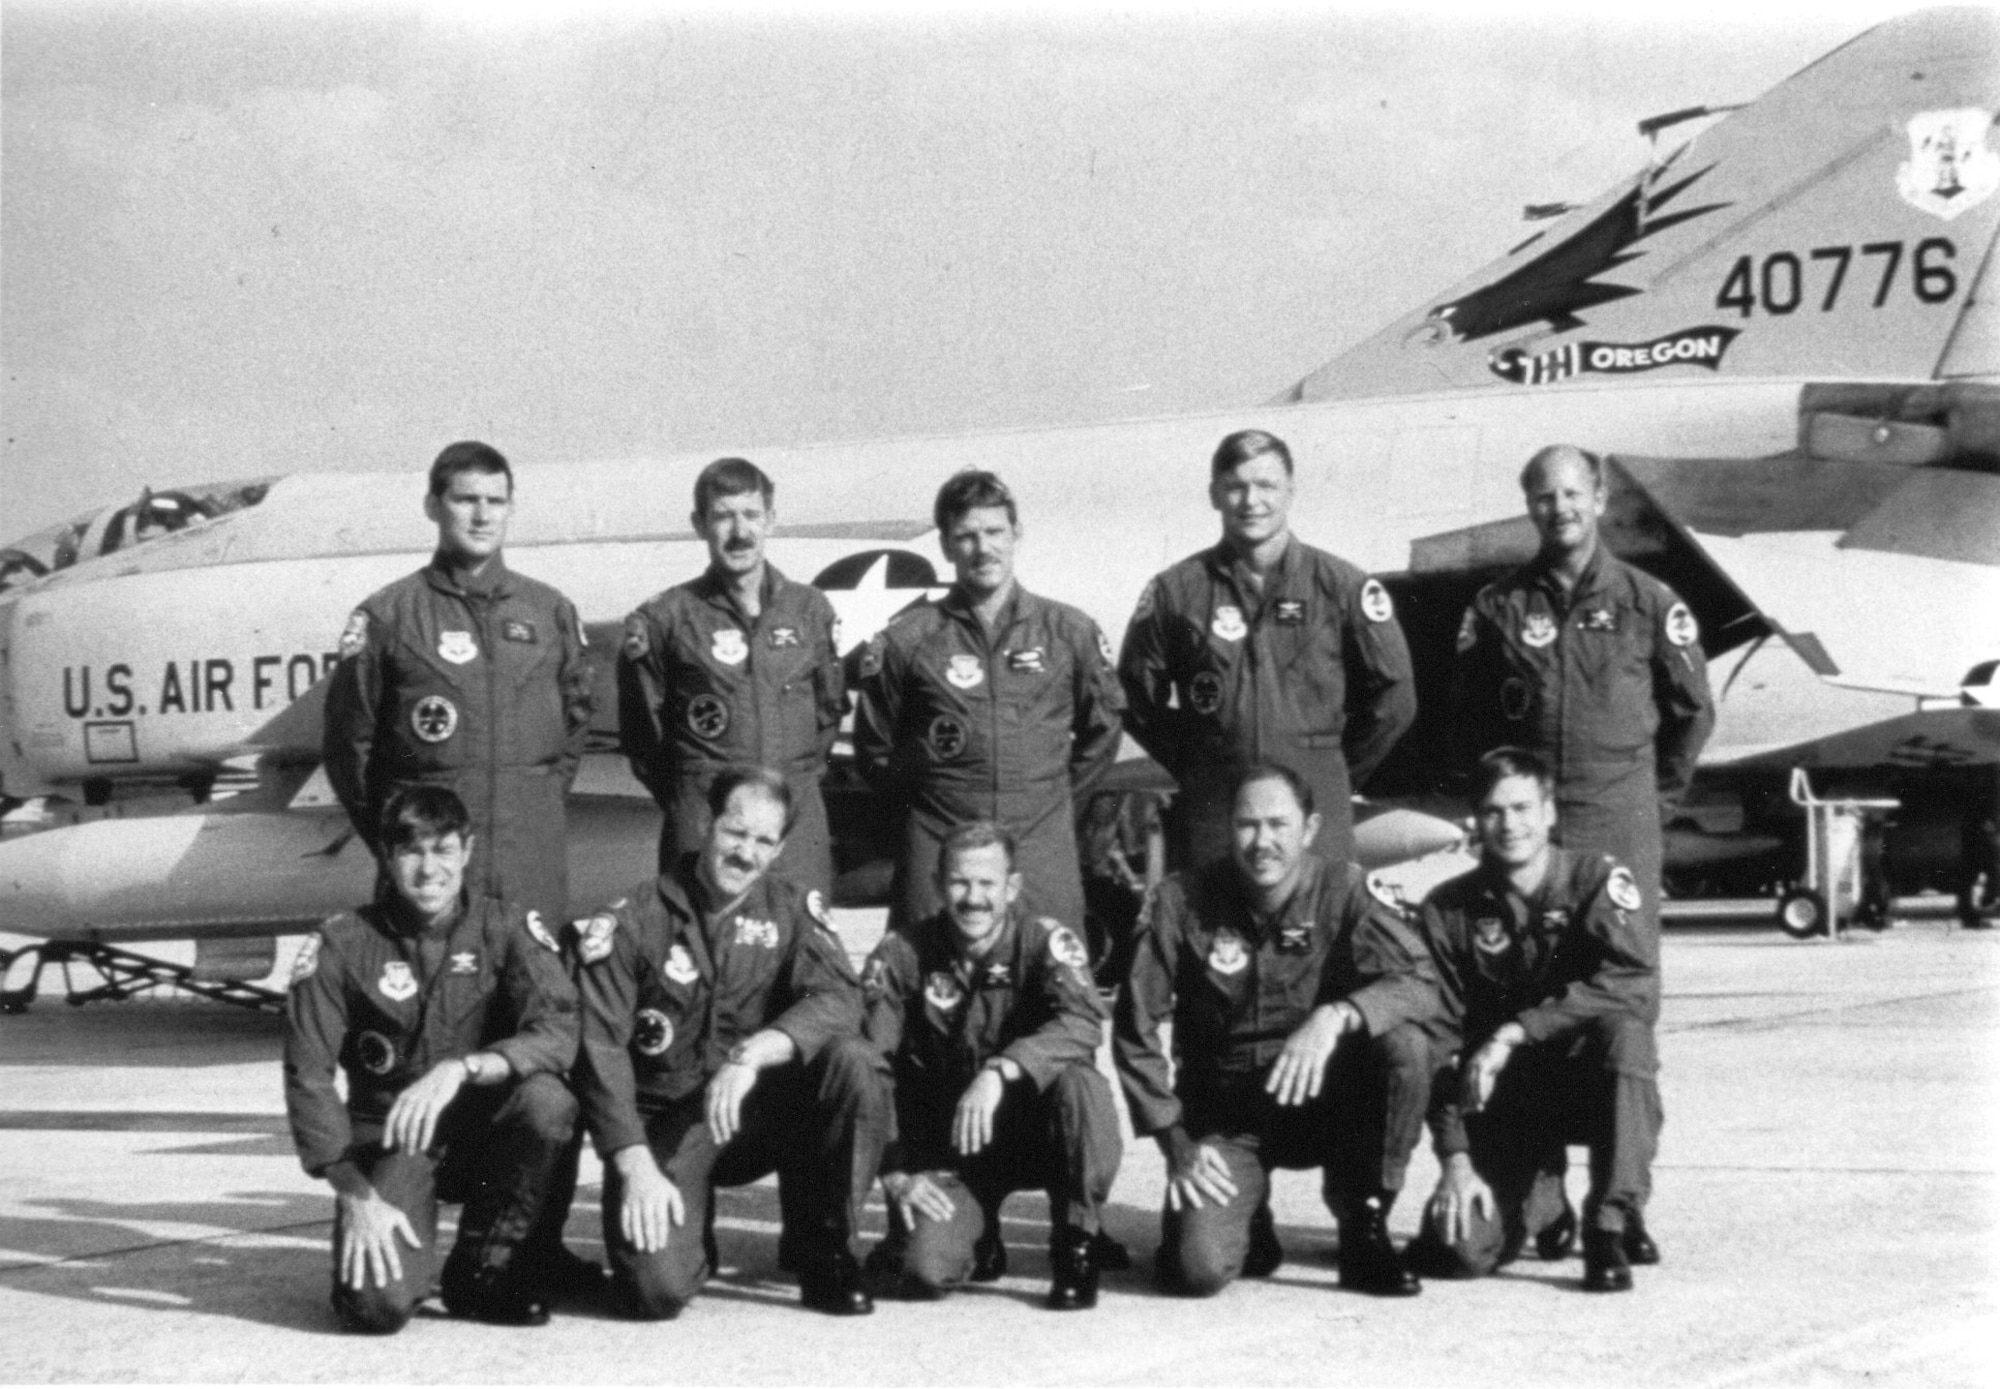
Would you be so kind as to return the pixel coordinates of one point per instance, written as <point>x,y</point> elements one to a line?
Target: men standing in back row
<point>1593,665</point>
<point>470,676</point>
<point>990,704</point>
<point>737,667</point>
<point>1263,649</point>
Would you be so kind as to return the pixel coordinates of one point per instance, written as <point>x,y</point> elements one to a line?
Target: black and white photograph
<point>993,693</point>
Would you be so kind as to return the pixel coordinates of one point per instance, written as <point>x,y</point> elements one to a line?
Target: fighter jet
<point>1780,333</point>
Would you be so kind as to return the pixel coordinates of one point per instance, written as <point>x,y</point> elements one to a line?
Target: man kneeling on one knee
<point>1551,987</point>
<point>454,1020</point>
<point>1296,990</point>
<point>990,1021</point>
<point>721,1043</point>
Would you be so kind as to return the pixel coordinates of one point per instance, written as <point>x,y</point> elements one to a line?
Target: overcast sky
<point>237,240</point>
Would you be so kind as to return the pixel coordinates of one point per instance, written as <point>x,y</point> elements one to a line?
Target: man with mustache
<point>1596,667</point>
<point>1296,991</point>
<point>740,666</point>
<point>1263,648</point>
<point>990,1020</point>
<point>453,1020</point>
<point>720,1022</point>
<point>1550,983</point>
<point>990,704</point>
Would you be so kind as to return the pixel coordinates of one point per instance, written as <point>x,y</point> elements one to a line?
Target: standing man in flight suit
<point>467,675</point>
<point>454,1021</point>
<point>1263,649</point>
<point>737,667</point>
<point>1596,667</point>
<point>1297,994</point>
<point>1593,665</point>
<point>720,1043</point>
<point>1550,984</point>
<point>990,704</point>
<point>990,1020</point>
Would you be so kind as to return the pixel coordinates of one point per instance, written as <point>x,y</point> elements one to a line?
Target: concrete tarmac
<point>1827,1199</point>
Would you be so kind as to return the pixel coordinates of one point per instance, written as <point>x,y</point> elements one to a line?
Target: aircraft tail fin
<point>1841,227</point>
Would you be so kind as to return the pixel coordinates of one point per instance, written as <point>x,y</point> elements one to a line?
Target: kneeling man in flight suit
<point>1549,976</point>
<point>454,1020</point>
<point>721,1043</point>
<point>990,1021</point>
<point>1296,991</point>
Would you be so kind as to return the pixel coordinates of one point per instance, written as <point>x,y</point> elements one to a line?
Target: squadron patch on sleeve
<point>593,937</point>
<point>875,977</point>
<point>1386,892</point>
<point>871,656</point>
<point>637,643</point>
<point>354,636</point>
<point>307,960</point>
<point>539,931</point>
<point>1682,630</point>
<point>816,909</point>
<point>1375,604</point>
<point>1066,949</point>
<point>1623,889</point>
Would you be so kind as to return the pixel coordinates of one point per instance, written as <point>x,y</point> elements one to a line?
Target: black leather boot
<point>1369,1263</point>
<point>1072,1259</point>
<point>1605,1268</point>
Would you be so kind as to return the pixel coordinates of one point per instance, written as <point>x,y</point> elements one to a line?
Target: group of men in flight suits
<point>708,1028</point>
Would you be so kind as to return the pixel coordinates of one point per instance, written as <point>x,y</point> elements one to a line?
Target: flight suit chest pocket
<point>1289,980</point>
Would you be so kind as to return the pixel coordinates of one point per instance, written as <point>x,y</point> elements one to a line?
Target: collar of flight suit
<point>1496,888</point>
<point>497,581</point>
<point>1587,583</point>
<point>1019,606</point>
<point>1305,893</point>
<point>714,589</point>
<point>395,917</point>
<point>1225,565</point>
<point>946,936</point>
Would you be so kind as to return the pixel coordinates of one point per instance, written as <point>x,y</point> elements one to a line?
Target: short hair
<point>730,477</point>
<point>1502,763</point>
<point>421,812</point>
<point>1244,445</point>
<point>1544,457</point>
<point>968,490</point>
<point>1301,789</point>
<point>468,456</point>
<point>973,836</point>
<point>762,780</point>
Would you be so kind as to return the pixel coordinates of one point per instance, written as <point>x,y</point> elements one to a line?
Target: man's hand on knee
<point>652,1205</point>
<point>1197,1173</point>
<point>1460,1195</point>
<point>917,1194</point>
<point>413,1117</point>
<point>369,1228</point>
<point>1300,1070</point>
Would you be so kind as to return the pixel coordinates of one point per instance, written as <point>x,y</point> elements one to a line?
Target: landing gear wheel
<point>1802,914</point>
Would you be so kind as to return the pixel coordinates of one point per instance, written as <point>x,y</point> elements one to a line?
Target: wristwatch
<point>739,1055</point>
<point>1006,1068</point>
<point>475,1067</point>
